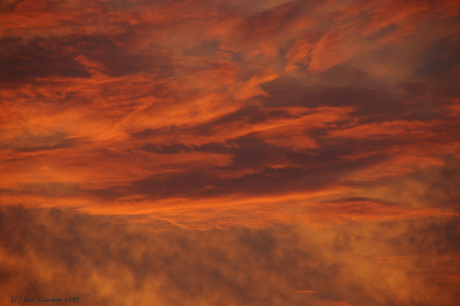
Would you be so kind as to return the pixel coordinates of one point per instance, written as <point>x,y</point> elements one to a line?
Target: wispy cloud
<point>231,116</point>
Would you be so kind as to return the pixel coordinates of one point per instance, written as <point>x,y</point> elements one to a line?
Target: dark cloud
<point>206,48</point>
<point>312,170</point>
<point>368,101</point>
<point>308,169</point>
<point>268,24</point>
<point>165,149</point>
<point>10,5</point>
<point>118,59</point>
<point>28,142</point>
<point>441,60</point>
<point>148,132</point>
<point>28,61</point>
<point>244,116</point>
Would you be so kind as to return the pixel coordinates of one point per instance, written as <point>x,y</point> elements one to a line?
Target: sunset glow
<point>230,153</point>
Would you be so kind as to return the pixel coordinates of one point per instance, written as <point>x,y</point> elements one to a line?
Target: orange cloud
<point>159,262</point>
<point>198,117</point>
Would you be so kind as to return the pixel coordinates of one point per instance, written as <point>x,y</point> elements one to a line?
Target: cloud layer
<point>115,261</point>
<point>212,119</point>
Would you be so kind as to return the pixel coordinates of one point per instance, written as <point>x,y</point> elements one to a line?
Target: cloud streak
<point>269,100</point>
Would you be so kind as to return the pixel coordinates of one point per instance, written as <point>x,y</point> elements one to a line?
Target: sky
<point>230,153</point>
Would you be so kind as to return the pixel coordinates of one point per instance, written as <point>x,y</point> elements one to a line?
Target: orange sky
<point>230,153</point>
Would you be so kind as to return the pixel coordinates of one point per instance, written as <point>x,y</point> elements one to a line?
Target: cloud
<point>28,142</point>
<point>26,62</point>
<point>294,92</point>
<point>236,266</point>
<point>292,144</point>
